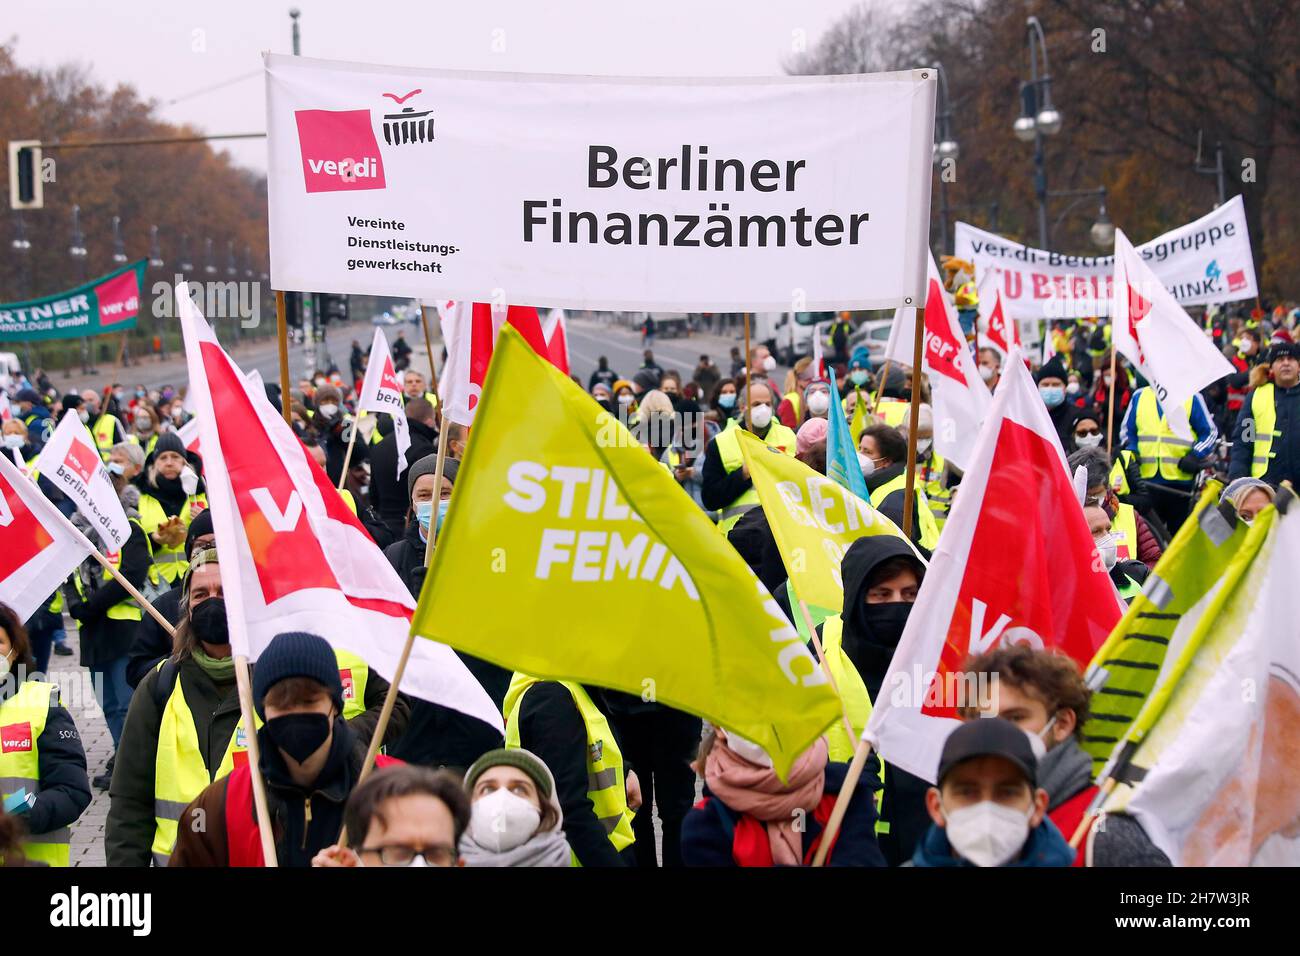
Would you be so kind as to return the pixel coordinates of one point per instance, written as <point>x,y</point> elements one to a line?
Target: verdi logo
<point>339,150</point>
<point>16,738</point>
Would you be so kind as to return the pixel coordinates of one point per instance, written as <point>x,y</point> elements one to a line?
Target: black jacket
<point>61,766</point>
<point>388,493</point>
<point>333,437</point>
<point>151,643</point>
<point>102,638</point>
<point>1285,448</point>
<point>719,487</point>
<point>892,506</point>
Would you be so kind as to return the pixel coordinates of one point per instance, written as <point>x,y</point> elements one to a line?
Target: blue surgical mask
<point>424,514</point>
<point>442,513</point>
<point>859,376</point>
<point>1053,395</point>
<point>727,400</point>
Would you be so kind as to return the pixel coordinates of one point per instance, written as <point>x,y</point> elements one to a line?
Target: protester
<point>172,493</point>
<point>1133,537</point>
<point>706,375</point>
<point>749,817</point>
<point>603,374</point>
<point>515,815</point>
<point>1248,496</point>
<point>724,401</point>
<point>43,775</point>
<point>1167,463</point>
<point>388,492</point>
<point>1051,379</point>
<point>726,485</point>
<point>882,453</point>
<point>1266,437</point>
<point>990,366</point>
<point>988,809</point>
<point>1128,575</point>
<point>791,410</point>
<point>35,416</point>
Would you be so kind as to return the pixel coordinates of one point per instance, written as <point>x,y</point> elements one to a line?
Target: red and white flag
<point>71,461</point>
<point>1000,332</point>
<point>469,331</point>
<point>961,399</point>
<point>294,557</point>
<point>1016,564</point>
<point>38,546</point>
<point>556,332</point>
<point>1159,338</point>
<point>189,432</point>
<point>382,392</point>
<point>5,412</point>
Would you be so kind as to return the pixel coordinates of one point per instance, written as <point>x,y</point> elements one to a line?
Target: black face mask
<point>209,621</point>
<point>885,622</point>
<point>299,735</point>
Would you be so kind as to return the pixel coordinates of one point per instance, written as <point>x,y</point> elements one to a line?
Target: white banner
<point>1203,262</point>
<point>664,194</point>
<point>71,461</point>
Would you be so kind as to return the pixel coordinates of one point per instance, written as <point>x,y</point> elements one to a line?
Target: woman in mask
<point>515,816</point>
<point>1051,379</point>
<point>816,400</point>
<point>1086,431</point>
<point>44,773</point>
<point>1249,496</point>
<point>625,404</point>
<point>171,495</point>
<point>725,400</point>
<point>750,817</point>
<point>859,379</point>
<point>1128,575</point>
<point>144,425</point>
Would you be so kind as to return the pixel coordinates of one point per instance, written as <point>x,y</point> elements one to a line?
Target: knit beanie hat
<point>168,441</point>
<point>1052,368</point>
<point>810,433</point>
<point>428,465</point>
<point>520,759</point>
<point>296,654</point>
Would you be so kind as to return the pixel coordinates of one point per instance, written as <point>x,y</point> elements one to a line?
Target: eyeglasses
<point>398,854</point>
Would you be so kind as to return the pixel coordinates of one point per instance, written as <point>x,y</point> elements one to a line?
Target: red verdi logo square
<point>82,460</point>
<point>16,738</point>
<point>339,150</point>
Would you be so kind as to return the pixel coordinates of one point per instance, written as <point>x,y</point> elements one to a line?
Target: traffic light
<point>333,307</point>
<point>293,309</point>
<point>25,186</point>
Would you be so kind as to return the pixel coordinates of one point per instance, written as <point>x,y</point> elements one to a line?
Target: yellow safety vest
<point>728,442</point>
<point>929,527</point>
<point>134,439</point>
<point>105,431</point>
<point>180,773</point>
<point>1263,410</point>
<point>1124,528</point>
<point>893,411</point>
<point>796,402</point>
<point>127,610</point>
<point>1158,446</point>
<point>940,498</point>
<point>22,721</point>
<point>606,787</point>
<point>1119,472</point>
<point>857,704</point>
<point>169,562</point>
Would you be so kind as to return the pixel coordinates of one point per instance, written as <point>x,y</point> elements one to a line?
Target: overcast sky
<point>173,49</point>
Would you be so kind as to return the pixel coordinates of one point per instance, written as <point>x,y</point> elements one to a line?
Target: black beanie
<point>202,524</point>
<point>169,441</point>
<point>296,654</point>
<point>1052,368</point>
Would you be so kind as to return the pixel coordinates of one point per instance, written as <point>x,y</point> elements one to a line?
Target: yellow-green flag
<point>813,519</point>
<point>859,423</point>
<point>569,553</point>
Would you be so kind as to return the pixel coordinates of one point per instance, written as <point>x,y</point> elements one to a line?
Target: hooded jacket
<point>388,494</point>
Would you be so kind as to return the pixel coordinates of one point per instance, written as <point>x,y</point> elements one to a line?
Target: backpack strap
<point>168,671</point>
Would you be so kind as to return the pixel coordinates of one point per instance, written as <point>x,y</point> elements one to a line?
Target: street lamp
<point>155,254</point>
<point>186,265</point>
<point>119,248</point>
<point>946,151</point>
<point>78,252</point>
<point>1102,231</point>
<point>209,268</point>
<point>1038,117</point>
<point>232,267</point>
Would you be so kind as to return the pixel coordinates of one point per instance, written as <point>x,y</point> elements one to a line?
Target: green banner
<point>102,306</point>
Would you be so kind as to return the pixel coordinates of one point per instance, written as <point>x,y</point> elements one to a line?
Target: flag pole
<point>749,375</point>
<point>880,386</point>
<point>282,332</point>
<point>914,418</point>
<point>428,348</point>
<point>437,488</point>
<point>826,668</point>
<point>107,565</point>
<point>850,784</point>
<point>352,440</point>
<point>1110,413</point>
<point>244,686</point>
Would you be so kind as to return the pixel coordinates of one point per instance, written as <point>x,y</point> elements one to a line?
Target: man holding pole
<point>726,482</point>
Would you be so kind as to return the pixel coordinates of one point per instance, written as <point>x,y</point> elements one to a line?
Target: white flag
<point>38,546</point>
<point>1159,338</point>
<point>960,397</point>
<point>382,392</point>
<point>457,394</point>
<point>71,461</point>
<point>294,556</point>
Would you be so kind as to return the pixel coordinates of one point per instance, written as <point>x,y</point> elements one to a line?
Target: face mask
<point>1053,395</point>
<point>119,395</point>
<point>1088,441</point>
<point>502,821</point>
<point>189,480</point>
<point>987,834</point>
<point>923,445</point>
<point>624,399</point>
<point>818,402</point>
<point>747,749</point>
<point>139,394</point>
<point>209,621</point>
<point>761,415</point>
<point>442,512</point>
<point>868,466</point>
<point>859,377</point>
<point>986,373</point>
<point>14,441</point>
<point>886,621</point>
<point>424,514</point>
<point>178,415</point>
<point>299,735</point>
<point>727,400</point>
<point>769,363</point>
<point>1072,388</point>
<point>143,424</point>
<point>84,416</point>
<point>4,667</point>
<point>328,411</point>
<point>115,469</point>
<point>1106,550</point>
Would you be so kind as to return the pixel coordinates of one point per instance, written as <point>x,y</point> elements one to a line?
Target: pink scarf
<point>748,788</point>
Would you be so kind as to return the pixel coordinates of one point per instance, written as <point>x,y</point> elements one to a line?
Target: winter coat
<point>61,767</point>
<point>104,639</point>
<point>388,494</point>
<point>1044,847</point>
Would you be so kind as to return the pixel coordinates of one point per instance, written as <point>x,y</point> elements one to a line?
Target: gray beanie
<point>428,465</point>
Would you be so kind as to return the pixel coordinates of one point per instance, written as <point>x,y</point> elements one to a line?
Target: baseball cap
<point>989,737</point>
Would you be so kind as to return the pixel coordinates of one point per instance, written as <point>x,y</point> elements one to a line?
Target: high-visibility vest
<point>728,442</point>
<point>929,527</point>
<point>22,721</point>
<point>796,402</point>
<point>134,439</point>
<point>348,500</point>
<point>606,787</point>
<point>857,704</point>
<point>1124,528</point>
<point>940,498</point>
<point>893,411</point>
<point>169,561</point>
<point>1158,447</point>
<point>1264,412</point>
<point>180,773</point>
<point>106,431</point>
<point>1119,472</point>
<point>128,609</point>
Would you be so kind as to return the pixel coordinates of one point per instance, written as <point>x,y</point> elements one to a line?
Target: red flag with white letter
<point>556,332</point>
<point>469,331</point>
<point>1016,564</point>
<point>70,460</point>
<point>38,547</point>
<point>294,556</point>
<point>1000,332</point>
<point>382,392</point>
